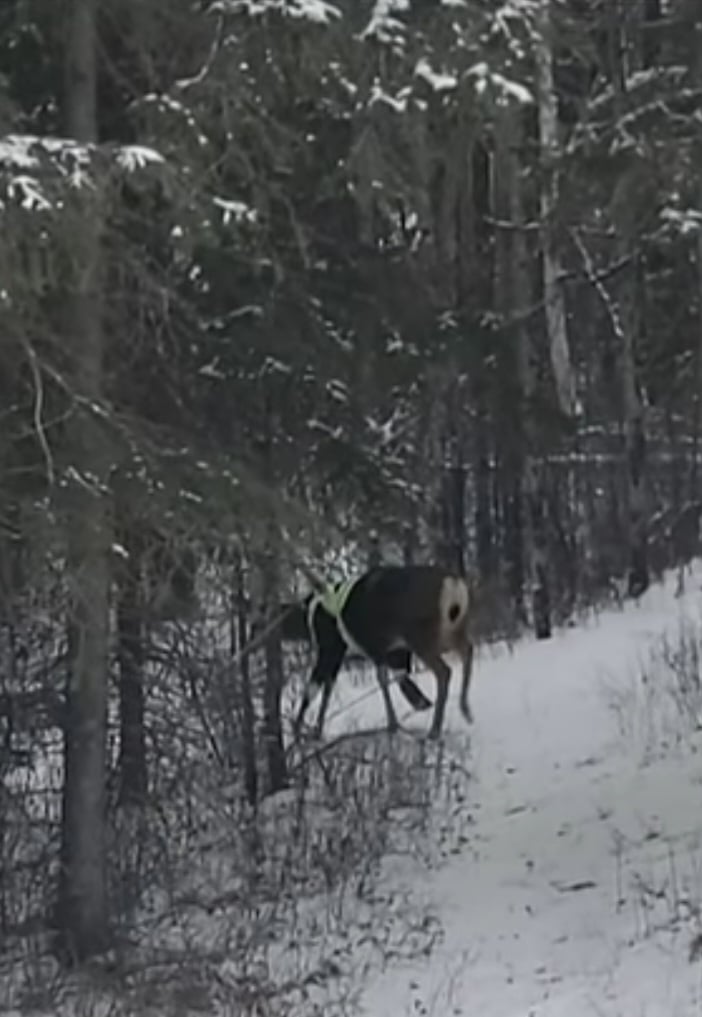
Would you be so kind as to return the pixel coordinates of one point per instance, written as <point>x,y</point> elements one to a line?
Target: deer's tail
<point>453,610</point>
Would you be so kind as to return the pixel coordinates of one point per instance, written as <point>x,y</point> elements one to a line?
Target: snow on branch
<point>27,192</point>
<point>397,103</point>
<point>29,163</point>
<point>237,211</point>
<point>437,81</point>
<point>318,11</point>
<point>26,151</point>
<point>685,221</point>
<point>384,26</point>
<point>484,78</point>
<point>136,157</point>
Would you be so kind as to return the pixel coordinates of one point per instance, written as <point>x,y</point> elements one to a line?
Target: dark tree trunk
<point>514,536</point>
<point>272,723</point>
<point>83,907</point>
<point>133,776</point>
<point>275,677</point>
<point>483,500</point>
<point>248,716</point>
<point>541,596</point>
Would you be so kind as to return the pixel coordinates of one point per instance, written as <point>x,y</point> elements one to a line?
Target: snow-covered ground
<point>580,887</point>
<point>560,874</point>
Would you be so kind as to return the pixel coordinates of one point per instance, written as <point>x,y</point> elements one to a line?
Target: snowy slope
<point>580,889</point>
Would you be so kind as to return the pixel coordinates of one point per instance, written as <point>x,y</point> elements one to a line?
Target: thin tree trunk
<point>474,278</point>
<point>83,906</point>
<point>510,440</point>
<point>694,472</point>
<point>550,151</point>
<point>483,501</point>
<point>133,776</point>
<point>273,687</point>
<point>534,467</point>
<point>248,716</point>
<point>624,204</point>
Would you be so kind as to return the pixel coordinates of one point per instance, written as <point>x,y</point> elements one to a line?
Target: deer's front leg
<point>393,723</point>
<point>331,650</point>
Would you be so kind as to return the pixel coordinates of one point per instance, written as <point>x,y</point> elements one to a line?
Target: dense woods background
<point>285,286</point>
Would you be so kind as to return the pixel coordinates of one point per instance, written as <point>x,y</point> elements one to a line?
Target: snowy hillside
<point>579,890</point>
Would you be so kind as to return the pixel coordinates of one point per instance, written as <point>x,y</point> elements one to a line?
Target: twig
<point>38,413</point>
<point>596,280</point>
<point>184,83</point>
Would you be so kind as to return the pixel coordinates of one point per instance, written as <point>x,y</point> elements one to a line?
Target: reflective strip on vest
<point>334,599</point>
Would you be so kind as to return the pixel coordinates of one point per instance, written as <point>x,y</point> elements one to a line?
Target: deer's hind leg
<point>467,661</point>
<point>442,672</point>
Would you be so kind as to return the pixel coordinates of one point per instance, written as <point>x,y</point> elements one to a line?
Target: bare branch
<point>38,412</point>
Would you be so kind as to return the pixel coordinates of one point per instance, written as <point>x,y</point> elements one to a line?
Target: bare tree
<point>83,908</point>
<point>625,211</point>
<point>554,300</point>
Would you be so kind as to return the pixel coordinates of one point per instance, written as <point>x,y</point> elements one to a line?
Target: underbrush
<point>659,710</point>
<point>660,706</point>
<point>274,911</point>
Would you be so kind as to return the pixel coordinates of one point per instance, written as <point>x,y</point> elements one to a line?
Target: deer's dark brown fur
<point>392,613</point>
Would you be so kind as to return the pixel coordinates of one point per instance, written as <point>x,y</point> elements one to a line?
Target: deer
<point>388,614</point>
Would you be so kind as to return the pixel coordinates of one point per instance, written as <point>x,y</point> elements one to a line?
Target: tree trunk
<point>694,471</point>
<point>625,204</point>
<point>273,688</point>
<point>248,716</point>
<point>550,152</point>
<point>510,438</point>
<point>483,501</point>
<point>83,907</point>
<point>133,777</point>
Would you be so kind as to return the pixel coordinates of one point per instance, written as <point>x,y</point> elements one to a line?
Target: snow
<point>27,191</point>
<point>238,211</point>
<point>135,157</point>
<point>379,95</point>
<point>437,80</point>
<point>579,891</point>
<point>686,221</point>
<point>569,880</point>
<point>483,75</point>
<point>308,10</point>
<point>20,151</point>
<point>384,25</point>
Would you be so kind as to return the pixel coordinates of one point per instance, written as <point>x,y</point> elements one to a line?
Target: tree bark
<point>552,270</point>
<point>248,716</point>
<point>483,502</point>
<point>511,440</point>
<point>694,472</point>
<point>83,906</point>
<point>625,204</point>
<point>273,687</point>
<point>133,775</point>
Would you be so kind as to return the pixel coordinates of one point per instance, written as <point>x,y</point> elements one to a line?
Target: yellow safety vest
<point>334,599</point>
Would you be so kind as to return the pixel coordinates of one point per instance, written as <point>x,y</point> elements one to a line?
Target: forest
<point>288,287</point>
